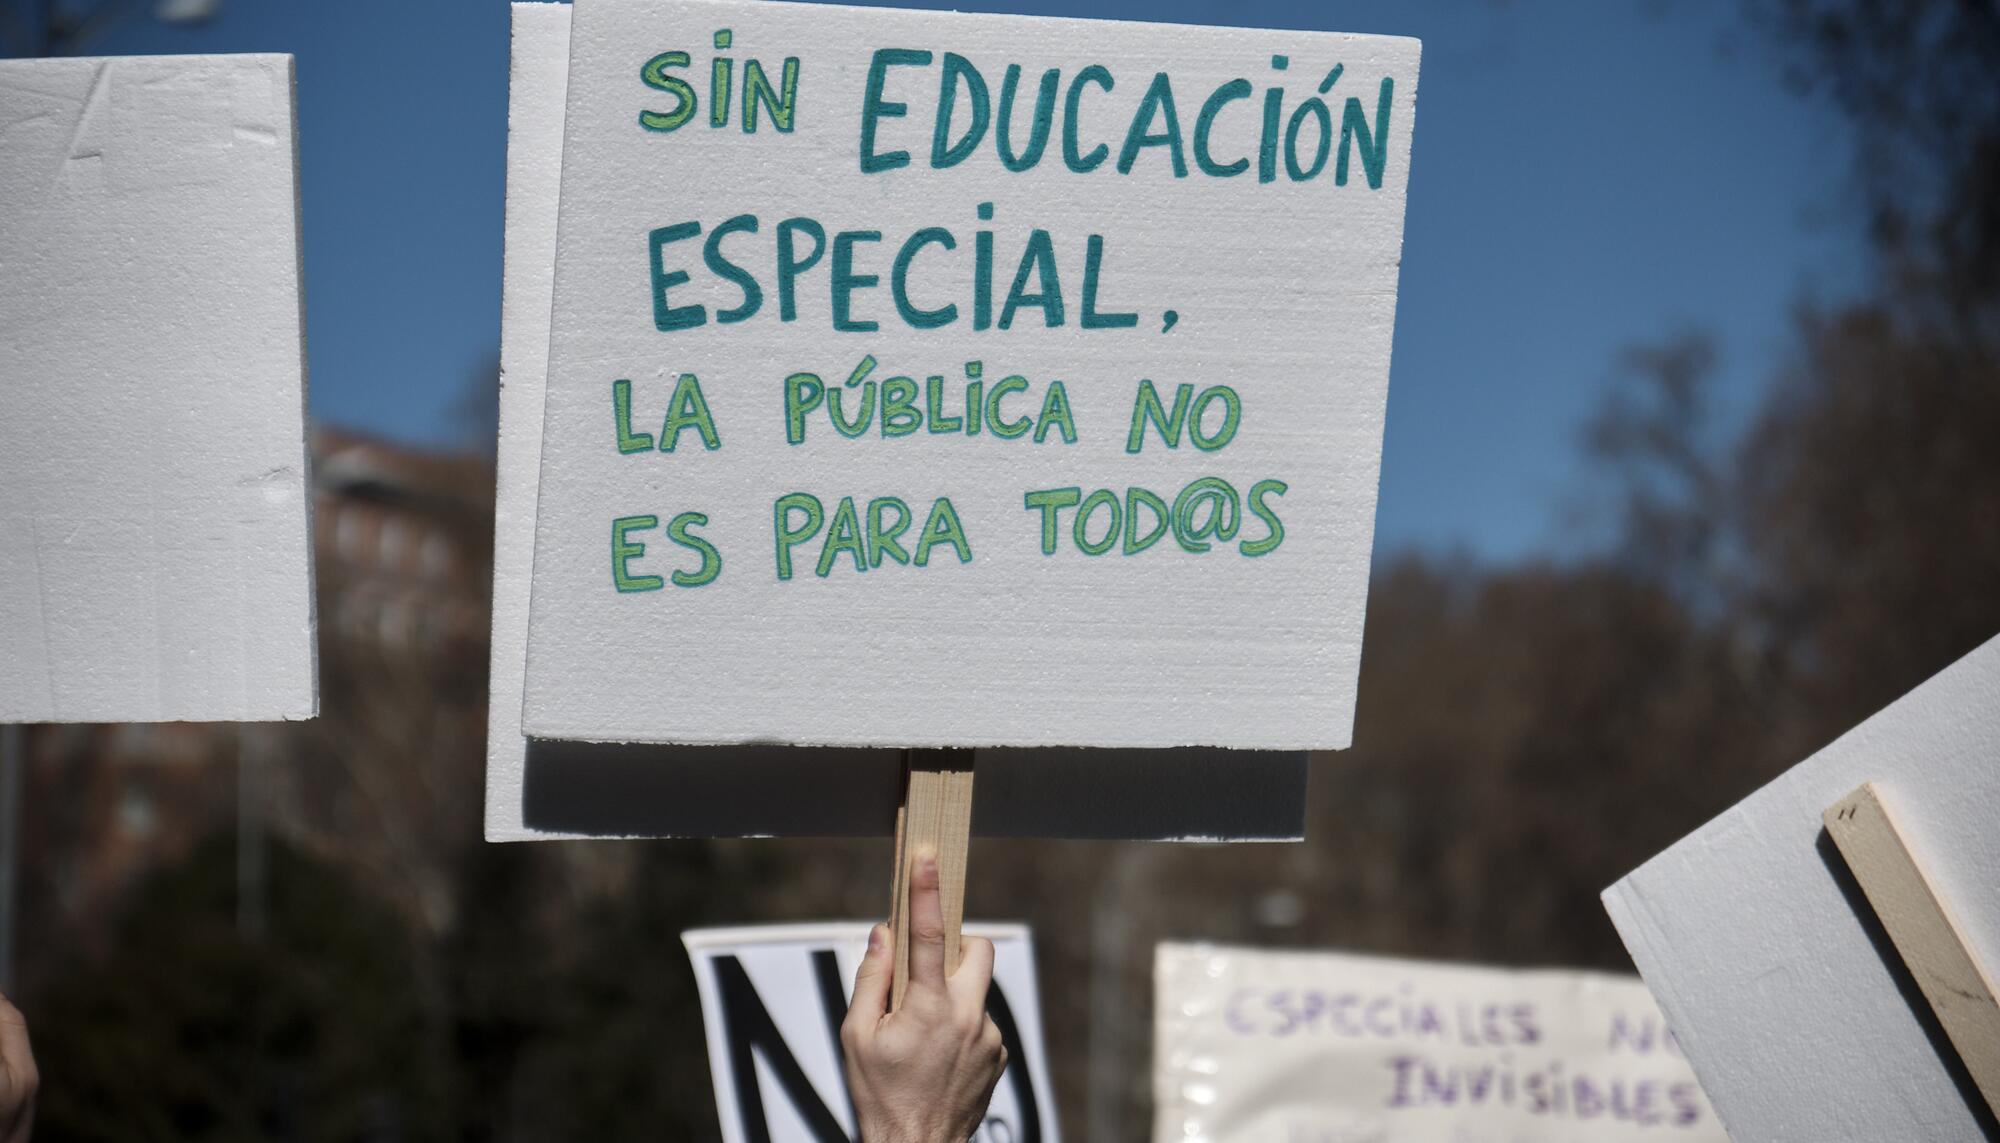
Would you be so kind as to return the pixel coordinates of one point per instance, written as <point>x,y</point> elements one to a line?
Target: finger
<point>926,924</point>
<point>974,974</point>
<point>871,982</point>
<point>15,1055</point>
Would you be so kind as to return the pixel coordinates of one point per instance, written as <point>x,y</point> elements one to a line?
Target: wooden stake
<point>1920,924</point>
<point>936,813</point>
<point>899,890</point>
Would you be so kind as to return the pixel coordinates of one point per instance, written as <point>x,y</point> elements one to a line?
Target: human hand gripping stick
<point>925,1072</point>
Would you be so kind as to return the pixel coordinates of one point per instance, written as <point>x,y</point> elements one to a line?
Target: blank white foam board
<point>154,519</point>
<point>545,790</point>
<point>1283,291</point>
<point>1767,960</point>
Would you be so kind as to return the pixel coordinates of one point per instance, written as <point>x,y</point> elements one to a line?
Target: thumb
<point>871,984</point>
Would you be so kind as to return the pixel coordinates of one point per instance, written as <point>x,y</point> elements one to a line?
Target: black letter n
<point>748,1026</point>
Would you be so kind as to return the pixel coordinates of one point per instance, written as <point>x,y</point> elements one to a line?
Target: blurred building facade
<point>403,562</point>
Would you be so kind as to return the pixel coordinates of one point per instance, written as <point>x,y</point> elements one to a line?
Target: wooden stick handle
<point>936,814</point>
<point>1920,924</point>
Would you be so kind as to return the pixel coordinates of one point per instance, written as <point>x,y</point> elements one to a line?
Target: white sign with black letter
<point>773,997</point>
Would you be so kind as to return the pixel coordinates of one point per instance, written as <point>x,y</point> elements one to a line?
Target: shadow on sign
<point>637,790</point>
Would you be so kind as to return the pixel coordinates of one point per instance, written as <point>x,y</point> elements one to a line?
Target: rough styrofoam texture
<point>1271,1046</point>
<point>1284,290</point>
<point>548,790</point>
<point>154,520</point>
<point>536,75</point>
<point>1766,963</point>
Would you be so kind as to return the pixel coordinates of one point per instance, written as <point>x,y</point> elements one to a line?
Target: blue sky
<point>1586,176</point>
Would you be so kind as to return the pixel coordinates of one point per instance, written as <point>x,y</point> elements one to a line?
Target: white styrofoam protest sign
<point>540,789</point>
<point>773,997</point>
<point>537,72</point>
<point>1770,963</point>
<point>937,379</point>
<point>154,560</point>
<point>1264,1046</point>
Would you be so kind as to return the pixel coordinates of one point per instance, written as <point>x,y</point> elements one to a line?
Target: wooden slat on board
<point>899,915</point>
<point>1920,924</point>
<point>936,814</point>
